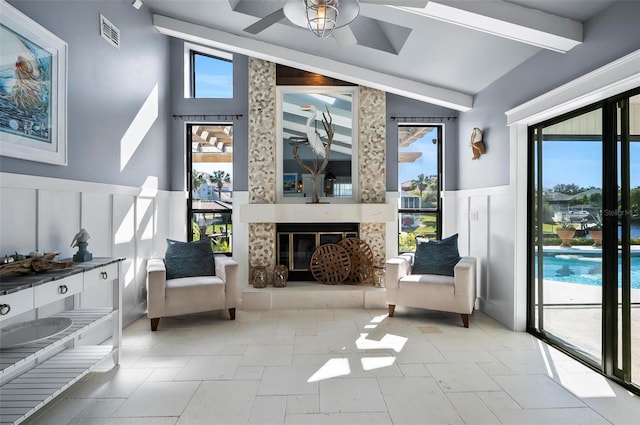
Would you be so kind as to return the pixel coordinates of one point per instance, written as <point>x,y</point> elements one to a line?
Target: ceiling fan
<point>308,13</point>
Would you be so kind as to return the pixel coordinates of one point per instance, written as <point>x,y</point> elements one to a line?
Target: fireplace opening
<point>297,241</point>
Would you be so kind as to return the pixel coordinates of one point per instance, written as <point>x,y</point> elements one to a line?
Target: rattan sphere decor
<point>361,258</point>
<point>330,264</point>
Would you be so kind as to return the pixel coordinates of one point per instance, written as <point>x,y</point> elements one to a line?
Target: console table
<point>34,374</point>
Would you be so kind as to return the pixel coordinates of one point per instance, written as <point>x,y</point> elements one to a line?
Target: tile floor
<point>338,366</point>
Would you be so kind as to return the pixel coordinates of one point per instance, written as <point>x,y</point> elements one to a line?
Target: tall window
<point>210,177</point>
<point>209,72</point>
<point>419,171</point>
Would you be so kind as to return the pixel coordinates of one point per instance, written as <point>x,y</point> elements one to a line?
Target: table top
<point>18,282</point>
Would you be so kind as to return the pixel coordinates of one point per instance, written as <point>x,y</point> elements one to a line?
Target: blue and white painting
<point>25,87</point>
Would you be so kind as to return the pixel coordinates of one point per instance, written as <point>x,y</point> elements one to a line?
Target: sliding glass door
<point>584,235</point>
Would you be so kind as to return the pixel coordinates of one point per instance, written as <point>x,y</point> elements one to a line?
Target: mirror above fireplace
<point>299,119</point>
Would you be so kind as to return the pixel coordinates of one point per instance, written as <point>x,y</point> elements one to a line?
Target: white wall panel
<point>96,219</point>
<point>58,221</point>
<point>124,245</point>
<point>46,213</point>
<point>17,220</point>
<point>162,224</point>
<point>479,239</point>
<point>486,231</point>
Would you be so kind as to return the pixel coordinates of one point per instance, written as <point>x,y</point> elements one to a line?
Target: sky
<point>427,164</point>
<point>580,163</point>
<point>214,77</point>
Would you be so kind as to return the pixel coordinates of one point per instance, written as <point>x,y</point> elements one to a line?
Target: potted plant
<point>596,231</point>
<point>566,232</point>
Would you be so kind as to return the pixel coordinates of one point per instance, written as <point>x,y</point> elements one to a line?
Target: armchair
<point>456,294</point>
<point>173,297</point>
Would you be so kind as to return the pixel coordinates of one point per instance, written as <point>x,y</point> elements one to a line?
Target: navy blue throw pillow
<point>436,257</point>
<point>188,259</point>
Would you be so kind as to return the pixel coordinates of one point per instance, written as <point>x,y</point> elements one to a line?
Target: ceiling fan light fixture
<point>322,16</point>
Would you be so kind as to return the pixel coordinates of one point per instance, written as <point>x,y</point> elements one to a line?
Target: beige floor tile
<point>208,368</point>
<point>417,401</point>
<point>462,377</point>
<point>220,402</point>
<point>158,399</point>
<point>471,409</point>
<point>339,419</point>
<point>537,392</point>
<point>268,410</point>
<point>297,404</point>
<point>350,395</point>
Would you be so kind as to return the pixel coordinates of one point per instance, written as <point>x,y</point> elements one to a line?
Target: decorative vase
<point>280,275</point>
<point>259,277</point>
<point>379,276</point>
<point>596,235</point>
<point>565,235</point>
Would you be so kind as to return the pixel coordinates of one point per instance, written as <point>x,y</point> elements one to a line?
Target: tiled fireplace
<point>370,216</point>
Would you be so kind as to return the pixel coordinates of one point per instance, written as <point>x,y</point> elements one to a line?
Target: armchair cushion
<point>189,259</point>
<point>436,257</point>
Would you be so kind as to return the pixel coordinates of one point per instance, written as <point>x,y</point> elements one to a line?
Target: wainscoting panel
<point>18,210</point>
<point>486,228</point>
<point>58,221</point>
<point>45,213</point>
<point>96,219</point>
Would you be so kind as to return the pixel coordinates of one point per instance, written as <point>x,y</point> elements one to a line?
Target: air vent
<point>109,32</point>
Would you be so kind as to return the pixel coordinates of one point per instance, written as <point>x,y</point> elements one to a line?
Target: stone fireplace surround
<point>372,213</point>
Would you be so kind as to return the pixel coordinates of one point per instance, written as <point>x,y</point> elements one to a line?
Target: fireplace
<point>297,241</point>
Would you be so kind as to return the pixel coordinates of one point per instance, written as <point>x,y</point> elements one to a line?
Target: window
<point>419,171</point>
<point>208,72</point>
<point>210,176</point>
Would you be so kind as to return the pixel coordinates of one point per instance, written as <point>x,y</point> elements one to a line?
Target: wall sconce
<point>299,186</point>
<point>477,145</point>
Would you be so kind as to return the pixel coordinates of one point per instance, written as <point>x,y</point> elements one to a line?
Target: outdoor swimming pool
<point>585,270</point>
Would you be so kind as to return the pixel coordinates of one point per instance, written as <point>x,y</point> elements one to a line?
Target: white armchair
<point>456,294</point>
<point>188,295</point>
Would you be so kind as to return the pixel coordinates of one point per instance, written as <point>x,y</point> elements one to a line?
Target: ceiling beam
<point>313,63</point>
<point>507,20</point>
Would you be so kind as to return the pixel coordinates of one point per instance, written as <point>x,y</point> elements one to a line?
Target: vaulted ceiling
<point>440,52</point>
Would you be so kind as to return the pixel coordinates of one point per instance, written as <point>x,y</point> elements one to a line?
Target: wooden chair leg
<point>465,320</point>
<point>232,314</point>
<point>154,323</point>
<point>392,309</point>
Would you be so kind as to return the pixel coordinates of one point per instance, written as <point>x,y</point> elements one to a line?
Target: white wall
<point>44,214</point>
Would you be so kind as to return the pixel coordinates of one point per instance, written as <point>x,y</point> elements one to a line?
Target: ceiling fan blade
<point>406,3</point>
<point>265,22</point>
<point>344,36</point>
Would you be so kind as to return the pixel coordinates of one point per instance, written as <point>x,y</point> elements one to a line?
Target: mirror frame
<point>351,90</point>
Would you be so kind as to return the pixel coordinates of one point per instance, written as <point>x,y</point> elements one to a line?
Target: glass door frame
<point>610,348</point>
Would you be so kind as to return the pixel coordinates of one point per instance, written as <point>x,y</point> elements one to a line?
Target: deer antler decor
<point>313,168</point>
<point>477,145</point>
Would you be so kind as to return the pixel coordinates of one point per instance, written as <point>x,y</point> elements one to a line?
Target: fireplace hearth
<point>296,243</point>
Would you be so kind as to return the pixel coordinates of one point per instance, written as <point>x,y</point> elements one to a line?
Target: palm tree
<point>421,183</point>
<point>197,180</point>
<point>219,178</point>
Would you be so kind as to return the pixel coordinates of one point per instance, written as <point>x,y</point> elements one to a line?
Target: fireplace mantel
<point>317,213</point>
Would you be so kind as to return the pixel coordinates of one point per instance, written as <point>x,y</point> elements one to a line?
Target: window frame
<point>189,185</point>
<point>438,208</point>
<point>190,50</point>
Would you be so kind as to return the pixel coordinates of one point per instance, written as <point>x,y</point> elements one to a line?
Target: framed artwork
<point>289,182</point>
<point>33,90</point>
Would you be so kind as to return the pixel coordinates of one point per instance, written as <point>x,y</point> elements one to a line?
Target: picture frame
<point>289,182</point>
<point>33,92</point>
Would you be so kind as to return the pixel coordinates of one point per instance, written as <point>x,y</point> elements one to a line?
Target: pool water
<point>584,270</point>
